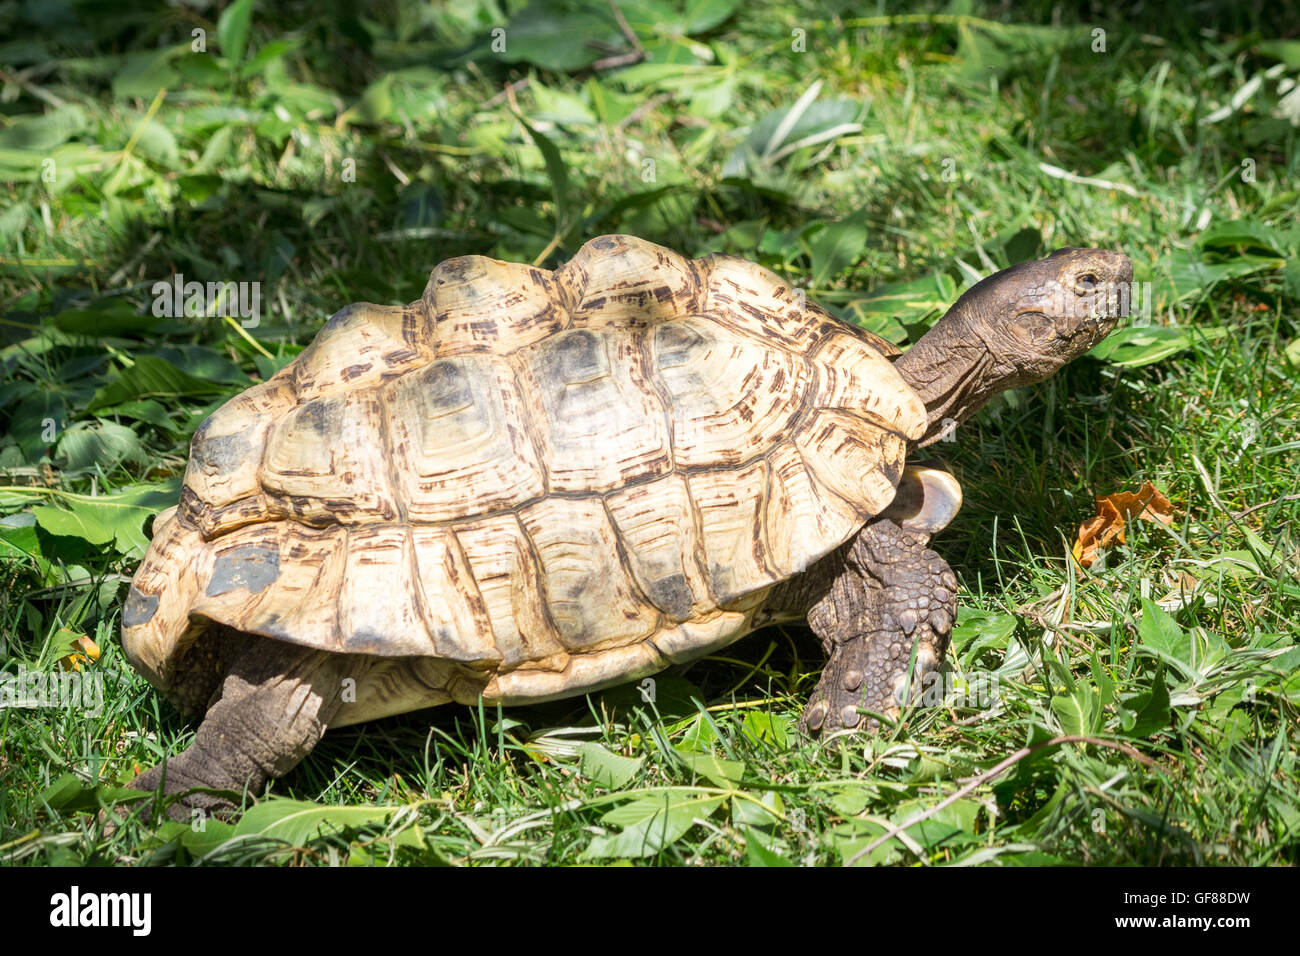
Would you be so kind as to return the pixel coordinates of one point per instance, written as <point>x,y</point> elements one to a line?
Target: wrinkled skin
<point>1016,328</point>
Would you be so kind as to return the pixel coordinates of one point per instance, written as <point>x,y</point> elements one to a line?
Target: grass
<point>936,150</point>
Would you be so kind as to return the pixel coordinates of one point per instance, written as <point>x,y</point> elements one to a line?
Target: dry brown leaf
<point>1112,513</point>
<point>84,651</point>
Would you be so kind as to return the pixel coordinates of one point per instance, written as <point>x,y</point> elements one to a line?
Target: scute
<point>735,541</point>
<point>458,425</point>
<point>506,573</point>
<point>529,484</point>
<point>591,600</point>
<point>477,304</point>
<point>627,282</point>
<point>656,523</point>
<point>326,462</point>
<point>599,424</point>
<point>361,345</point>
<point>731,397</point>
<point>221,490</point>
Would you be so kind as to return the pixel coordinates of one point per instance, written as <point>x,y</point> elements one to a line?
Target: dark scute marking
<point>251,566</point>
<point>140,608</point>
<point>606,243</point>
<point>672,595</point>
<point>356,371</point>
<point>449,387</point>
<point>720,583</point>
<point>339,320</point>
<point>365,641</point>
<point>222,454</point>
<point>577,357</point>
<point>324,416</point>
<point>399,357</point>
<point>893,471</point>
<point>457,268</point>
<point>674,343</point>
<point>584,630</point>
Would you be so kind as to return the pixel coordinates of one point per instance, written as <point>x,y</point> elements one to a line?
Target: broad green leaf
<point>1287,51</point>
<point>850,839</point>
<point>98,444</point>
<point>834,248</point>
<point>558,173</point>
<point>978,630</point>
<point>144,74</point>
<point>759,854</point>
<point>765,727</point>
<point>114,317</point>
<point>704,15</point>
<point>298,822</point>
<point>151,377</point>
<point>43,131</point>
<point>1076,711</point>
<point>118,518</point>
<point>559,106</point>
<point>720,772</point>
<point>1185,275</point>
<point>232,30</point>
<point>275,50</point>
<point>1245,234</point>
<point>606,768</point>
<point>1147,713</point>
<point>556,36</point>
<point>1135,346</point>
<point>767,812</point>
<point>849,801</point>
<point>1160,633</point>
<point>82,521</point>
<point>650,824</point>
<point>197,843</point>
<point>780,133</point>
<point>157,142</point>
<point>19,541</point>
<point>214,151</point>
<point>70,794</point>
<point>903,305</point>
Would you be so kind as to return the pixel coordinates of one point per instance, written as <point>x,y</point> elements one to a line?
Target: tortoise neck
<point>952,373</point>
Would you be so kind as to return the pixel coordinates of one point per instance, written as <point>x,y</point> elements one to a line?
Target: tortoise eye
<point>1086,283</point>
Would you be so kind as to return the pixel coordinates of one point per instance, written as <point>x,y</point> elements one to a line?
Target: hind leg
<point>275,703</point>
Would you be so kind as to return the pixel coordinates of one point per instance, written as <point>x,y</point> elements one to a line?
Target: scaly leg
<point>275,703</point>
<point>889,592</point>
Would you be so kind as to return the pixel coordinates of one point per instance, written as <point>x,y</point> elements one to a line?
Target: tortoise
<point>529,485</point>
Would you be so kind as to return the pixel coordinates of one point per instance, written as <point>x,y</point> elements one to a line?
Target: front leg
<point>889,592</point>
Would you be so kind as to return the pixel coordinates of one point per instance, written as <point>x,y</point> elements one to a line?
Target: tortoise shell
<point>530,484</point>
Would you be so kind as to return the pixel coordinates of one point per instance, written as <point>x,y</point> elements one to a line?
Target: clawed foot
<point>895,595</point>
<point>179,780</point>
<point>865,674</point>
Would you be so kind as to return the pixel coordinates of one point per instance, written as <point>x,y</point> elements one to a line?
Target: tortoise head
<point>1017,327</point>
